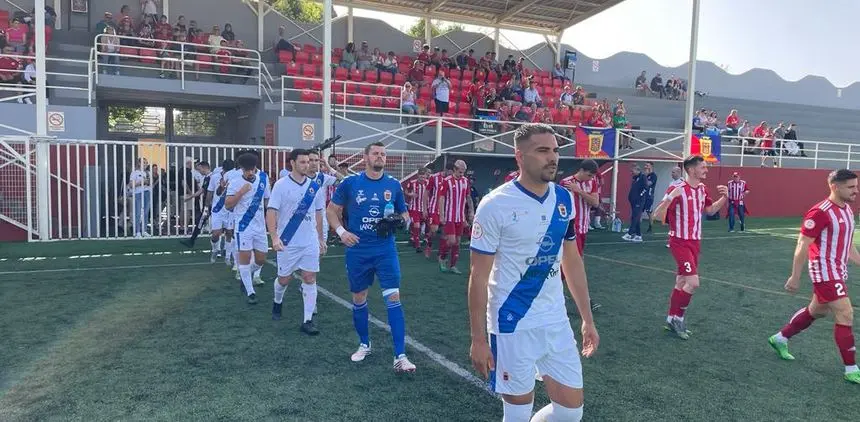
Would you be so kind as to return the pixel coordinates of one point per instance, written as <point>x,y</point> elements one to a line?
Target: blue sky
<point>795,38</point>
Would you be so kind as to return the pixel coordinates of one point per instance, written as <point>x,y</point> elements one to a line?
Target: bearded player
<point>416,203</point>
<point>455,210</point>
<point>584,188</point>
<point>434,184</point>
<point>827,241</point>
<point>683,210</point>
<point>523,234</point>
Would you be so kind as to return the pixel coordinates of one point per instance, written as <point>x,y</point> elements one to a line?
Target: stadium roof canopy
<point>548,17</point>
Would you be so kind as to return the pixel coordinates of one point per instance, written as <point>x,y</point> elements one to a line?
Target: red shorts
<point>453,229</point>
<point>686,254</point>
<point>433,219</point>
<point>828,291</point>
<point>416,217</point>
<point>580,242</point>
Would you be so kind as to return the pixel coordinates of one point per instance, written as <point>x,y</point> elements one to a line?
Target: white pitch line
<point>663,240</point>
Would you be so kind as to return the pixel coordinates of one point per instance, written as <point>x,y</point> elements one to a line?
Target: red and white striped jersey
<point>832,228</point>
<point>580,205</point>
<point>737,189</point>
<point>419,188</point>
<point>434,183</point>
<point>456,192</point>
<point>672,186</point>
<point>512,175</point>
<point>685,211</point>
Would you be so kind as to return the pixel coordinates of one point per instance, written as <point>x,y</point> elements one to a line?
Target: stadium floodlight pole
<point>42,166</point>
<point>326,98</point>
<point>691,79</point>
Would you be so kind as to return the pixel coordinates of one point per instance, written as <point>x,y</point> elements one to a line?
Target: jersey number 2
<point>840,289</point>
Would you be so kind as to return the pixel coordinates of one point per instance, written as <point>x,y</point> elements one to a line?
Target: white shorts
<point>222,220</point>
<point>325,226</point>
<point>305,259</point>
<point>552,349</point>
<point>253,240</point>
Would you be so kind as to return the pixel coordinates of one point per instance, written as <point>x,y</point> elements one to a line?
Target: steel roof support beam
<point>516,9</point>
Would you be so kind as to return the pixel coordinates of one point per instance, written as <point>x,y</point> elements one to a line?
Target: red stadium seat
<point>556,115</point>
<point>302,57</point>
<point>468,75</point>
<point>455,74</point>
<point>358,100</point>
<point>395,91</point>
<point>339,99</point>
<point>365,89</point>
<point>494,77</point>
<point>399,79</point>
<point>337,86</point>
<point>376,102</point>
<point>370,76</point>
<point>556,92</point>
<point>404,68</point>
<point>549,102</point>
<point>292,69</point>
<point>309,70</point>
<point>464,123</point>
<point>454,94</point>
<point>382,90</point>
<point>317,84</point>
<point>480,76</point>
<point>355,75</point>
<point>147,55</point>
<point>341,74</point>
<point>462,108</point>
<point>386,78</point>
<point>316,59</point>
<point>310,48</point>
<point>337,52</point>
<point>308,96</point>
<point>285,56</point>
<point>129,51</point>
<point>424,92</point>
<point>430,70</point>
<point>300,83</point>
<point>392,102</point>
<point>556,83</point>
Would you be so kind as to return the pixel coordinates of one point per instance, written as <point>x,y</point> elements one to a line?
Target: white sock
<point>245,273</point>
<point>214,248</point>
<point>517,412</point>
<point>256,269</point>
<point>669,319</point>
<point>781,338</point>
<point>279,292</point>
<point>309,296</point>
<point>235,249</point>
<point>555,412</point>
<point>222,242</point>
<point>851,368</point>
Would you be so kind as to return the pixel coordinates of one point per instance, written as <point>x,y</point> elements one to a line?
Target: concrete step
<point>74,51</point>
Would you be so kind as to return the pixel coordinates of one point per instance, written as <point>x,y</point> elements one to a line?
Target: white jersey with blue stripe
<point>214,181</point>
<point>525,233</point>
<point>288,197</point>
<point>257,220</point>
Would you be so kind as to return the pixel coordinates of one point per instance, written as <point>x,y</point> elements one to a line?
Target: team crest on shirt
<point>311,190</point>
<point>359,197</point>
<point>477,231</point>
<point>375,198</point>
<point>809,224</point>
<point>386,195</point>
<point>515,217</point>
<point>562,210</point>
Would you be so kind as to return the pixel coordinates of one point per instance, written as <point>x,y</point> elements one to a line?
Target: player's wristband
<point>340,231</point>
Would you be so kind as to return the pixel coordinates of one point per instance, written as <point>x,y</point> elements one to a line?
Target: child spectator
<point>225,58</point>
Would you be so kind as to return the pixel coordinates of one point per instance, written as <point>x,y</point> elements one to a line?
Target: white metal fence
<point>22,88</point>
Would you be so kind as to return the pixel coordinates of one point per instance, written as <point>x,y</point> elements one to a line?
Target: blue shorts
<point>363,265</point>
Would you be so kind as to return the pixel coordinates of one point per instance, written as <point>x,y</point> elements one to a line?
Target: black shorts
<point>441,106</point>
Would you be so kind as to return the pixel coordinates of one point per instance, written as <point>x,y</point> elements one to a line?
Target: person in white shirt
<point>246,198</point>
<point>441,88</point>
<point>221,220</point>
<point>523,234</point>
<point>294,219</point>
<point>140,185</point>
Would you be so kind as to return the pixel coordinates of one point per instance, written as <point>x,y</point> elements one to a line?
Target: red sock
<point>844,337</point>
<point>428,237</point>
<point>415,234</point>
<point>800,321</point>
<point>683,302</point>
<point>674,307</point>
<point>455,254</point>
<point>443,249</point>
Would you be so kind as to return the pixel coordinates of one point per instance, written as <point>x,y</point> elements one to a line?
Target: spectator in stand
<point>641,84</point>
<point>579,96</point>
<point>520,68</point>
<point>170,53</point>
<point>732,121</point>
<point>215,39</point>
<point>416,73</point>
<point>146,40</point>
<point>103,24</point>
<point>510,64</point>
<point>619,120</point>
<point>713,118</point>
<point>434,57</point>
<point>282,43</point>
<point>149,11</point>
<point>192,30</point>
<point>348,59</point>
<point>669,88</point>
<point>446,62</point>
<point>125,30</point>
<point>558,73</point>
<point>125,16</point>
<point>492,100</point>
<point>494,64</point>
<point>424,55</point>
<point>364,57</point>
<point>745,132</point>
<point>240,58</point>
<point>461,60</point>
<point>3,42</point>
<point>16,36</point>
<point>224,58</point>
<point>164,31</point>
<point>110,48</point>
<point>140,185</point>
<point>760,131</point>
<point>657,85</point>
<point>10,69</point>
<point>471,63</point>
<point>507,94</point>
<point>791,145</point>
<point>29,79</point>
<point>407,101</point>
<point>388,64</point>
<point>766,147</point>
<point>228,33</point>
<point>181,25</point>
<point>700,120</point>
<point>778,135</point>
<point>566,98</point>
<point>596,119</point>
<point>441,89</point>
<point>531,97</point>
<point>619,106</point>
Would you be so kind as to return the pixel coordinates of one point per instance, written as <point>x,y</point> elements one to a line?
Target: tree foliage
<point>436,29</point>
<point>299,10</point>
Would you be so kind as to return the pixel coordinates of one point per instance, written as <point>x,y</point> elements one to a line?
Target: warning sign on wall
<point>56,121</point>
<point>416,46</point>
<point>308,132</point>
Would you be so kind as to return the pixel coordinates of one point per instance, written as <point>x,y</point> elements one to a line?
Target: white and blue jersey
<point>297,205</point>
<point>364,201</point>
<point>249,212</point>
<point>525,233</point>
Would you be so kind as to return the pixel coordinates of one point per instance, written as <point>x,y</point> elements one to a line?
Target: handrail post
<point>815,160</point>
<point>89,82</point>
<point>282,95</point>
<point>780,152</point>
<point>259,77</point>
<point>439,136</point>
<point>742,152</point>
<point>848,163</point>
<point>182,65</point>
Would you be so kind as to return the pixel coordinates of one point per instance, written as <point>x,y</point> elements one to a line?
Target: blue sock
<point>397,323</point>
<point>360,318</point>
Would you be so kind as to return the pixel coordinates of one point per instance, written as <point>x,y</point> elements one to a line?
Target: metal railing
<point>178,56</point>
<point>27,90</point>
<point>291,91</point>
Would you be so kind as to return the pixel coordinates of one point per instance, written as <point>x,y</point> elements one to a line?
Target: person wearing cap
<point>738,190</point>
<point>107,21</point>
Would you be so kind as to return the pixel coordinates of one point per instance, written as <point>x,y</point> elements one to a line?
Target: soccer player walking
<point>677,180</point>
<point>524,232</point>
<point>738,190</point>
<point>434,184</point>
<point>455,209</point>
<point>221,221</point>
<point>826,241</point>
<point>684,208</point>
<point>416,195</point>
<point>368,197</point>
<point>584,188</point>
<point>246,198</point>
<point>294,219</point>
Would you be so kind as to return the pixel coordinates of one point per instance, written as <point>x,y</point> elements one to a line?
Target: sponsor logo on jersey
<point>546,243</point>
<point>477,231</point>
<point>386,195</point>
<point>375,197</point>
<point>359,197</point>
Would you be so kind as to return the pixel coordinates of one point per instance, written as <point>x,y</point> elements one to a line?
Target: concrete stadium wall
<point>80,122</point>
